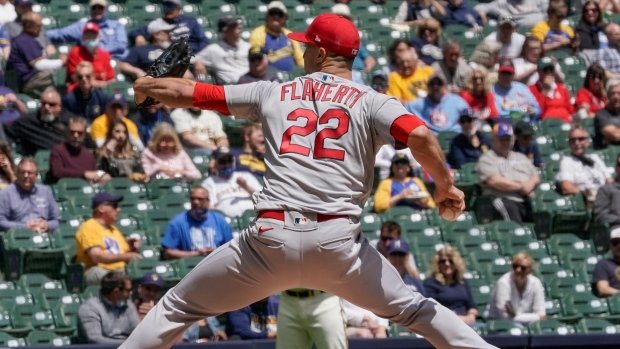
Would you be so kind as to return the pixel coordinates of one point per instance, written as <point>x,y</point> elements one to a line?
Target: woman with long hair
<point>526,65</point>
<point>591,27</point>
<point>116,157</point>
<point>7,166</point>
<point>477,93</point>
<point>426,42</point>
<point>165,158</point>
<point>487,55</point>
<point>592,96</point>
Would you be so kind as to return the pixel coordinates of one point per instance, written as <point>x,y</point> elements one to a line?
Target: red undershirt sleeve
<point>210,97</point>
<point>402,127</point>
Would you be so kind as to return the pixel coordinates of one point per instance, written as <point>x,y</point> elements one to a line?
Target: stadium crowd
<point>523,95</point>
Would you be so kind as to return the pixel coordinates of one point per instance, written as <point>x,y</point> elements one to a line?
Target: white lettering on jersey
<point>336,93</point>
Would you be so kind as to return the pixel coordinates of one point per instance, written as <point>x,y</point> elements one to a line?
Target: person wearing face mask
<point>89,51</point>
<point>107,318</point>
<point>470,144</point>
<point>230,191</point>
<point>196,232</point>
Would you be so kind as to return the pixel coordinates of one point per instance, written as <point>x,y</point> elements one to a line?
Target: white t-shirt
<point>511,50</point>
<point>7,13</point>
<point>584,177</point>
<point>521,65</point>
<point>207,126</point>
<point>228,62</point>
<point>227,196</point>
<point>526,306</point>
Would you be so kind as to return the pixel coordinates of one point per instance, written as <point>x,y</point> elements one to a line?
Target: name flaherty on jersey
<point>320,91</point>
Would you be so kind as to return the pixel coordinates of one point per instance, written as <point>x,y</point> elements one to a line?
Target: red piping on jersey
<point>402,127</point>
<point>210,97</point>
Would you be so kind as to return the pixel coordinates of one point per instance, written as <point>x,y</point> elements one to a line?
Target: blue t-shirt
<point>143,56</point>
<point>443,116</point>
<point>187,234</point>
<point>531,152</point>
<point>456,297</point>
<point>24,50</point>
<point>358,63</point>
<point>415,284</point>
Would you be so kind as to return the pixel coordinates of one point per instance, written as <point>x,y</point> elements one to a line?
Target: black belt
<point>303,294</point>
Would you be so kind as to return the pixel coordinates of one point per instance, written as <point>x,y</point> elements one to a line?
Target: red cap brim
<point>301,37</point>
<point>510,70</point>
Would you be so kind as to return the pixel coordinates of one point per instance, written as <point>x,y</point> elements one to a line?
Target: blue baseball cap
<point>398,246</point>
<point>105,197</point>
<point>118,99</point>
<point>503,129</point>
<point>400,157</point>
<point>152,279</point>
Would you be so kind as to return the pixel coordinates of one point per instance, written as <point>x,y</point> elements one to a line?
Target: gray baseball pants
<point>332,256</point>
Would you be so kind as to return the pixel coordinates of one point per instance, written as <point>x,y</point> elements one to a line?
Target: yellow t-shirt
<point>90,234</point>
<point>407,88</point>
<point>541,32</point>
<point>99,127</point>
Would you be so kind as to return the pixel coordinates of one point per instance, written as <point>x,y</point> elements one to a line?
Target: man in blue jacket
<point>85,100</point>
<point>256,321</point>
<point>112,32</point>
<point>459,12</point>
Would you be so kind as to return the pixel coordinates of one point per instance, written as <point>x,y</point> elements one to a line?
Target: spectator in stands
<point>112,32</point>
<point>508,37</point>
<point>196,232</point>
<point>446,284</point>
<point>5,51</point>
<point>524,143</point>
<point>11,107</point>
<point>7,166</point>
<point>453,68</point>
<point>487,55</point>
<point>383,159</point>
<point>258,67</point>
<point>165,157</point>
<point>526,66</point>
<point>29,58</point>
<point>458,12</point>
<point>184,26</point>
<point>107,318</point>
<point>591,97</point>
<point>13,29</point>
<point>362,323</point>
<point>470,143</point>
<point>379,81</point>
<point>7,12</point>
<point>148,119</point>
<point>28,204</point>
<point>526,12</point>
<point>552,97</point>
<point>282,53</point>
<point>256,321</point>
<point>609,57</point>
<point>86,100</point>
<point>518,295</point>
<point>477,94</point>
<point>389,231</point>
<point>409,82</point>
<point>149,291</point>
<point>605,279</point>
<point>426,41</point>
<point>199,129</point>
<point>116,157</point>
<point>396,49</point>
<point>230,191</point>
<point>141,57</point>
<point>512,96</point>
<point>251,156</point>
<point>591,27</point>
<point>606,208</point>
<point>413,12</point>
<point>117,108</point>
<point>72,160</point>
<point>100,245</point>
<point>43,129</point>
<point>607,120</point>
<point>440,110</point>
<point>228,58</point>
<point>400,257</point>
<point>402,188</point>
<point>553,34</point>
<point>508,177</point>
<point>89,51</point>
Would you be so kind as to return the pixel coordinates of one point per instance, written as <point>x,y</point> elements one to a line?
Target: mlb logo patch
<point>328,78</point>
<point>301,221</point>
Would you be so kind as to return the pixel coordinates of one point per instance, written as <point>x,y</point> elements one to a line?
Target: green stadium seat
<point>49,299</point>
<point>599,233</point>
<point>454,233</point>
<point>445,139</point>
<point>65,319</point>
<point>158,187</point>
<point>167,270</point>
<point>470,243</point>
<point>576,258</point>
<point>80,206</point>
<point>561,286</point>
<point>505,327</point>
<point>67,188</point>
<point>172,201</point>
<point>49,262</point>
<point>588,124</point>
<point>549,266</point>
<point>34,282</point>
<point>90,291</point>
<point>125,187</point>
<point>550,327</point>
<point>553,126</point>
<point>63,237</point>
<point>590,325</point>
<point>9,341</point>
<point>429,240</point>
<point>554,214</point>
<point>399,331</point>
<point>25,238</point>
<point>246,218</point>
<point>498,269</point>
<point>562,243</point>
<point>371,225</point>
<point>187,264</point>
<point>536,249</point>
<point>481,292</point>
<point>48,338</point>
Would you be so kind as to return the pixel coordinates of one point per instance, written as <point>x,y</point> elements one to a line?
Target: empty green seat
<point>158,187</point>
<point>553,126</point>
<point>187,264</point>
<point>34,282</point>
<point>585,303</point>
<point>172,201</point>
<point>6,340</point>
<point>590,325</point>
<point>51,298</point>
<point>35,338</point>
<point>126,187</point>
<point>562,285</point>
<point>505,327</point>
<point>66,188</point>
<point>551,326</point>
<point>48,262</point>
<point>25,238</point>
<point>371,225</point>
<point>90,291</point>
<point>63,237</point>
<point>445,139</point>
<point>65,319</point>
<point>138,267</point>
<point>562,243</point>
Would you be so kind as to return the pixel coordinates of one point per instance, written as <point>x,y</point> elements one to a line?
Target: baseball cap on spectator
<point>437,76</point>
<point>23,2</point>
<point>227,22</point>
<point>103,3</point>
<point>614,234</point>
<point>159,25</point>
<point>255,52</point>
<point>277,5</point>
<point>524,129</point>
<point>400,157</point>
<point>105,197</point>
<point>398,246</point>
<point>507,19</point>
<point>342,10</point>
<point>380,74</point>
<point>545,62</point>
<point>91,27</point>
<point>467,115</point>
<point>502,129</point>
<point>118,99</point>
<point>506,66</point>
<point>334,33</point>
<point>221,153</point>
<point>152,279</point>
<point>176,2</point>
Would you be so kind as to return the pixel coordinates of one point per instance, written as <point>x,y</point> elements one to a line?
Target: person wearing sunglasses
<point>85,99</point>
<point>552,97</point>
<point>100,245</point>
<point>605,278</point>
<point>446,284</point>
<point>470,143</point>
<point>518,295</point>
<point>379,81</point>
<point>258,63</point>
<point>507,36</point>
<point>526,65</point>
<point>477,94</point>
<point>607,120</point>
<point>591,97</point>
<point>426,41</point>
<point>282,53</point>
<point>591,27</point>
<point>554,34</point>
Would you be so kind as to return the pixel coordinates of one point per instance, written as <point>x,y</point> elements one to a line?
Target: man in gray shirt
<point>27,204</point>
<point>525,12</point>
<point>108,318</point>
<point>507,176</point>
<point>454,69</point>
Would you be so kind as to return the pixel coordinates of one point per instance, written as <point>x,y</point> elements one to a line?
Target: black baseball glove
<point>173,63</point>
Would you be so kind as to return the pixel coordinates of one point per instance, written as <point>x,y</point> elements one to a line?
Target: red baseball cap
<point>334,33</point>
<point>90,26</point>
